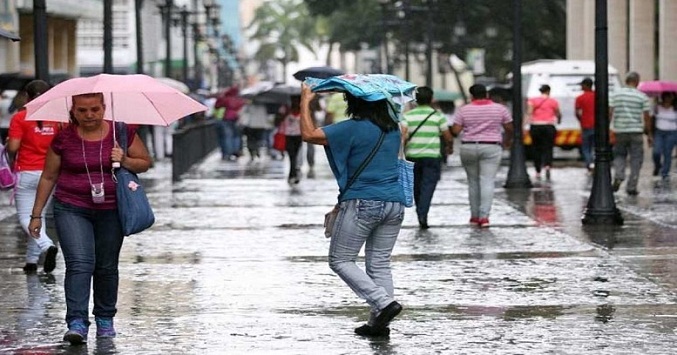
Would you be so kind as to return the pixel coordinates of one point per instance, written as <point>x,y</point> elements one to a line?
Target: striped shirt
<point>629,104</point>
<point>482,121</point>
<point>425,143</point>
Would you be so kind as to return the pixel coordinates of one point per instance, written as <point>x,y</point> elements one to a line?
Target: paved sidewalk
<point>236,263</point>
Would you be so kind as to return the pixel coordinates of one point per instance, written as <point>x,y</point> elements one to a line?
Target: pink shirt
<point>72,185</point>
<point>544,109</point>
<point>482,121</point>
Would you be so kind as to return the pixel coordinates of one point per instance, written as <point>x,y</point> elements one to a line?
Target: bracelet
<point>36,217</point>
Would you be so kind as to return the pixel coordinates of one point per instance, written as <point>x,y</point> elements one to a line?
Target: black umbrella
<point>9,35</point>
<point>317,72</point>
<point>280,94</point>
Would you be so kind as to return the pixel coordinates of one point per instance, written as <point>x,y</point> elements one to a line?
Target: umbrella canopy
<point>133,99</point>
<point>280,94</point>
<point>317,72</point>
<point>446,95</point>
<point>178,85</point>
<point>9,35</point>
<point>657,87</point>
<point>256,89</point>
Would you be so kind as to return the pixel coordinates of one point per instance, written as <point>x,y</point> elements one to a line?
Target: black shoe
<point>30,268</point>
<point>423,223</point>
<point>50,259</point>
<point>616,185</point>
<point>633,192</point>
<point>656,170</point>
<point>386,315</point>
<point>369,331</point>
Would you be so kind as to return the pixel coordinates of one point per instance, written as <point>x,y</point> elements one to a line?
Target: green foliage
<point>281,26</point>
<point>352,23</point>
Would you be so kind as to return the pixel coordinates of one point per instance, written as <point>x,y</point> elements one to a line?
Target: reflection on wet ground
<point>236,263</point>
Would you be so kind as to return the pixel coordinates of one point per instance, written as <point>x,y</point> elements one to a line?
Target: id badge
<point>98,195</point>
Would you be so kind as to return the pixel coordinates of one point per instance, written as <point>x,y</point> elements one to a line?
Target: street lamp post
<point>517,174</point>
<point>197,70</point>
<point>601,208</point>
<point>184,32</point>
<point>429,44</point>
<point>40,45</point>
<point>138,6</point>
<point>108,36</point>
<point>166,10</point>
<point>384,40</point>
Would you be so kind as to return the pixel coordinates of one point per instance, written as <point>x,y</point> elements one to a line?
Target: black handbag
<point>134,210</point>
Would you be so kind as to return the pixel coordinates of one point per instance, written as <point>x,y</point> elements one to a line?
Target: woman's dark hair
<point>544,89</point>
<point>34,89</point>
<point>666,94</point>
<point>374,111</point>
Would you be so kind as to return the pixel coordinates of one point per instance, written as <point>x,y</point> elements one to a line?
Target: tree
<point>458,25</point>
<point>281,27</point>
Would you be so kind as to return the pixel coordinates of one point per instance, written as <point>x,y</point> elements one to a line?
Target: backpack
<point>7,176</point>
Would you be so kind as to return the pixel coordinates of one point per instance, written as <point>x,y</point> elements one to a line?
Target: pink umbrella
<point>657,87</point>
<point>133,99</point>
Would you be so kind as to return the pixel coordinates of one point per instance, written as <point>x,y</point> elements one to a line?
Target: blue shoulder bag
<point>134,210</point>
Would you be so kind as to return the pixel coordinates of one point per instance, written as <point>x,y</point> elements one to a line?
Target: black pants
<point>543,138</point>
<point>293,145</point>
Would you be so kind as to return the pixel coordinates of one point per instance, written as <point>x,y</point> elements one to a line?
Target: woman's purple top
<point>72,185</point>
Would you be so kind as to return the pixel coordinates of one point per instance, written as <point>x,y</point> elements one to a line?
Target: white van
<point>564,78</point>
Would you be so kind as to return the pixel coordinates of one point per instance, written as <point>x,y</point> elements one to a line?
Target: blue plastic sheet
<point>369,87</point>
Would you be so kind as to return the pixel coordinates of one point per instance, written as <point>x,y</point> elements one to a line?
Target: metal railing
<point>192,143</point>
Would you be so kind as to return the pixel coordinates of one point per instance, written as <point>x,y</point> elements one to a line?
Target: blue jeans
<point>664,144</point>
<point>588,146</point>
<point>481,163</point>
<point>229,138</point>
<point>376,223</point>
<point>427,172</point>
<point>91,241</point>
<point>26,188</point>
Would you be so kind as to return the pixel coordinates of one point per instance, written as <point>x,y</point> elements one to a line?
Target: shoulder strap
<point>364,164</point>
<point>121,128</point>
<point>419,125</point>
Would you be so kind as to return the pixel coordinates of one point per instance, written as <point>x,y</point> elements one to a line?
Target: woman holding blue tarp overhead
<point>363,155</point>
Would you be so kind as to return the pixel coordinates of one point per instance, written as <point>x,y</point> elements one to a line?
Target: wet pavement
<point>236,263</point>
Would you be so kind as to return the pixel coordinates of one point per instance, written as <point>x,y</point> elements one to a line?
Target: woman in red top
<point>31,139</point>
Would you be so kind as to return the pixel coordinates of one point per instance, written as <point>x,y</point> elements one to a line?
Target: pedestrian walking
<point>487,127</point>
<point>28,142</point>
<point>79,169</point>
<point>291,126</point>
<point>629,110</point>
<point>665,134</point>
<point>229,135</point>
<point>585,112</point>
<point>543,114</point>
<point>255,121</point>
<point>422,127</point>
<point>371,201</point>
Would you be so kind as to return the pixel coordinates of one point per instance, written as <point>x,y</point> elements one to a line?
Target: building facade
<point>640,34</point>
<point>62,18</point>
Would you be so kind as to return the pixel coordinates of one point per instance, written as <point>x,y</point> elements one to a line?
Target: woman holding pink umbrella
<point>79,169</point>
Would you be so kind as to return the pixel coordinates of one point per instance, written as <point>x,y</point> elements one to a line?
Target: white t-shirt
<point>666,118</point>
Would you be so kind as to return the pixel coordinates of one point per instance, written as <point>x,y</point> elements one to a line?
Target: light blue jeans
<point>376,223</point>
<point>26,188</point>
<point>481,163</point>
